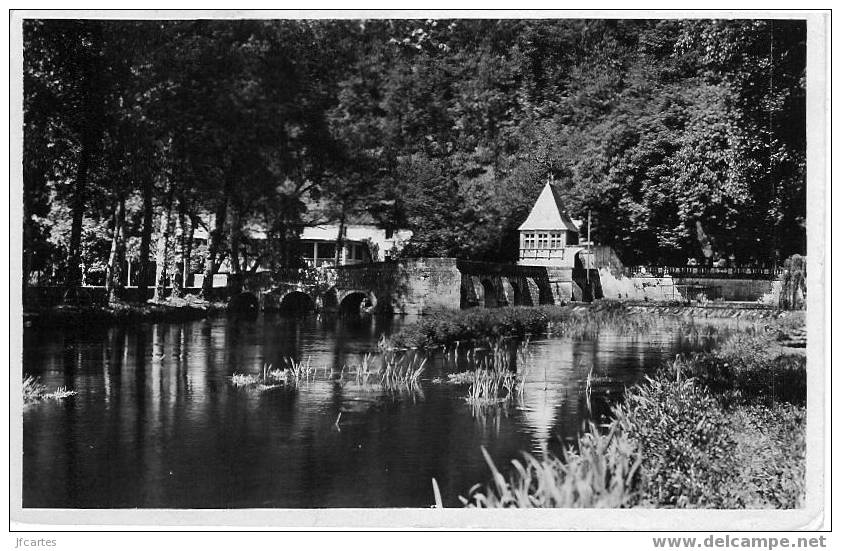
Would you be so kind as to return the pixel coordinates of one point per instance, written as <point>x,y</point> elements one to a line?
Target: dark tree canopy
<point>447,127</point>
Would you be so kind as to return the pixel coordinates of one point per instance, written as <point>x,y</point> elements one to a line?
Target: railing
<point>542,254</point>
<point>708,272</point>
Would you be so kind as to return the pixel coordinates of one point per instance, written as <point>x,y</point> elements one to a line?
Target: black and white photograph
<point>331,262</point>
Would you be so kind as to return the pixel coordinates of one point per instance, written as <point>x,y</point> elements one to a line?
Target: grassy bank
<point>724,429</point>
<point>479,324</point>
<point>482,323</point>
<point>124,312</point>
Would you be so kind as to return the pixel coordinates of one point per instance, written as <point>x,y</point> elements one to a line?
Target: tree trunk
<point>236,238</point>
<point>271,247</point>
<point>113,272</point>
<point>35,180</point>
<point>74,267</point>
<point>178,253</point>
<point>163,244</point>
<point>340,239</point>
<point>187,251</point>
<point>213,246</point>
<point>145,238</point>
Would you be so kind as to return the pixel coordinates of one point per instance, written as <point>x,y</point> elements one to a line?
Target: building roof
<point>548,212</point>
<point>354,233</point>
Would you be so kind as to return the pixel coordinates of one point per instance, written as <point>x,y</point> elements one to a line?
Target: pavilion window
<point>529,241</point>
<point>541,241</point>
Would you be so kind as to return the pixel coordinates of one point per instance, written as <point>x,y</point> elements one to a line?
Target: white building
<point>548,237</point>
<point>361,243</point>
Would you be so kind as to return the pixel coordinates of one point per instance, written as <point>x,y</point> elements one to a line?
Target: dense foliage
<point>682,137</point>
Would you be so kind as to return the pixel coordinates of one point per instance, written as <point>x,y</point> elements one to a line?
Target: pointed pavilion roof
<point>548,212</point>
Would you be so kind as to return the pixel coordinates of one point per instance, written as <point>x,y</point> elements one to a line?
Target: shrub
<point>771,446</point>
<point>685,440</point>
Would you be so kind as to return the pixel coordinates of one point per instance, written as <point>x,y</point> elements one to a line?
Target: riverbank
<point>723,429</point>
<point>578,320</point>
<point>170,310</point>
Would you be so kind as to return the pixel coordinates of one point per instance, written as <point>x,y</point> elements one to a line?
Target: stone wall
<point>743,290</point>
<point>429,285</point>
<point>409,286</point>
<point>665,289</point>
<point>560,282</point>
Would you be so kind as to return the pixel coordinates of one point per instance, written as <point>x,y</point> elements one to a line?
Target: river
<point>157,423</point>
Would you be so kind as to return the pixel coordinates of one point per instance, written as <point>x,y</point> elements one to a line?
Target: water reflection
<point>157,422</point>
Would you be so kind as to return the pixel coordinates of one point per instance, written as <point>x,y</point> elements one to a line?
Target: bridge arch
<point>244,303</point>
<point>355,302</point>
<point>506,291</point>
<point>522,295</point>
<point>491,297</point>
<point>296,302</point>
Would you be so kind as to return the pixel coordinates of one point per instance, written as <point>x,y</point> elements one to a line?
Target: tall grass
<point>299,371</point>
<point>490,387</point>
<point>602,472</point>
<point>402,369</point>
<point>493,379</point>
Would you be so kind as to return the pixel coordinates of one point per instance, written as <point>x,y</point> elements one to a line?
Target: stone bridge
<point>411,286</point>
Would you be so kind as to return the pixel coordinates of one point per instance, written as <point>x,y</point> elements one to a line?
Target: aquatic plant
<point>244,379</point>
<point>267,379</point>
<point>34,391</point>
<point>402,369</point>
<point>300,371</point>
<point>490,387</point>
<point>60,393</point>
<point>461,378</point>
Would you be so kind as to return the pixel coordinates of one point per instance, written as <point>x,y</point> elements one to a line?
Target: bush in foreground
<point>686,441</point>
